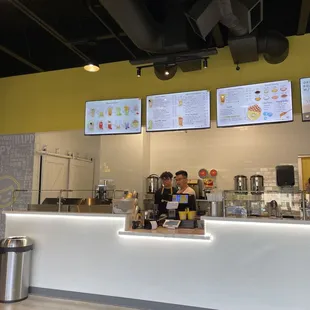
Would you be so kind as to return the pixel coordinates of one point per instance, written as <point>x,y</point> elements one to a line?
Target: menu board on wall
<point>178,111</point>
<point>305,98</point>
<point>106,117</point>
<point>255,104</point>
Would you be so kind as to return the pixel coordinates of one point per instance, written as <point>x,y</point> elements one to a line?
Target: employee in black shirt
<point>165,193</point>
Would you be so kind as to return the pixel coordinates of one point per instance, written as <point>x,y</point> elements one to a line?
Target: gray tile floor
<point>43,303</point>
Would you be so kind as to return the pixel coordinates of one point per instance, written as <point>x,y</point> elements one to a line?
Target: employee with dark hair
<point>165,193</point>
<point>182,183</point>
<point>181,179</point>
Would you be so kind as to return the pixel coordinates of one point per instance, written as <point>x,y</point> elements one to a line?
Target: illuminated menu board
<point>255,104</point>
<point>178,111</point>
<point>305,98</point>
<point>106,117</point>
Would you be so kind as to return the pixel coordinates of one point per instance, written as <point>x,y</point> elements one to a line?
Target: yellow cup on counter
<point>182,215</point>
<point>191,215</point>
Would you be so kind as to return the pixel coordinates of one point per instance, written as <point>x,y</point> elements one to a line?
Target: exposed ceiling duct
<point>239,16</point>
<point>137,22</point>
<point>274,46</point>
<point>230,20</point>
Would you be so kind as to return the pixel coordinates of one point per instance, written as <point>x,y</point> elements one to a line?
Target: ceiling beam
<point>96,39</point>
<point>21,7</point>
<point>303,17</point>
<point>115,35</point>
<point>20,58</point>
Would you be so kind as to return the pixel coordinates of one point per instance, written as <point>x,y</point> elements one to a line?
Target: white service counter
<point>238,265</point>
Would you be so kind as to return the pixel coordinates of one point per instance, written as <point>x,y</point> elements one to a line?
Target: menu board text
<point>178,111</point>
<point>254,104</point>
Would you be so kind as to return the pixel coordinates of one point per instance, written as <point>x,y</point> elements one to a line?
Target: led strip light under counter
<point>254,222</point>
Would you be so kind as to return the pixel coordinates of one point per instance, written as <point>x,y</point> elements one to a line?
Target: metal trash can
<point>15,262</point>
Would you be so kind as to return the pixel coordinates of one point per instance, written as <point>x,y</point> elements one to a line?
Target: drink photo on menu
<point>119,116</point>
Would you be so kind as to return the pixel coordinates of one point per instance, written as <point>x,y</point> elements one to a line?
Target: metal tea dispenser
<point>101,192</point>
<point>241,183</point>
<point>257,184</point>
<point>152,183</point>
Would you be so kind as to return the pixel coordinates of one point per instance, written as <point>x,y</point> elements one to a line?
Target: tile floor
<point>43,303</point>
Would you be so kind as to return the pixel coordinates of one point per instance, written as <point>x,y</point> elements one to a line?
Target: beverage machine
<point>152,185</point>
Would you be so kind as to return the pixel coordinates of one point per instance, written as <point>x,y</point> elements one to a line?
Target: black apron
<point>161,197</point>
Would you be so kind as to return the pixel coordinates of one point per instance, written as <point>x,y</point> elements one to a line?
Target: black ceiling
<point>25,47</point>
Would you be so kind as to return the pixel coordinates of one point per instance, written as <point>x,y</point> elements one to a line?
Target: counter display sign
<point>178,111</point>
<point>255,104</point>
<point>305,98</point>
<point>106,117</point>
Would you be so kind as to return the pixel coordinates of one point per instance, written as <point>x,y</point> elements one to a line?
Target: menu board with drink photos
<point>305,98</point>
<point>119,116</point>
<point>255,104</point>
<point>178,111</point>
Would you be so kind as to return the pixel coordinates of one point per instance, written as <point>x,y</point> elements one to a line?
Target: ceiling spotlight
<point>92,67</point>
<point>138,72</point>
<point>205,63</point>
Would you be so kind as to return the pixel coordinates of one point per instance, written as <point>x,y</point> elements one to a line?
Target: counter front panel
<point>245,265</point>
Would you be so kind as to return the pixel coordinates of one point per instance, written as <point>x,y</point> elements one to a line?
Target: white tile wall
<point>129,159</point>
<point>232,151</point>
<point>126,159</point>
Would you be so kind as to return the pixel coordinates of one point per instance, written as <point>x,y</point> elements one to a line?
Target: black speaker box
<point>285,176</point>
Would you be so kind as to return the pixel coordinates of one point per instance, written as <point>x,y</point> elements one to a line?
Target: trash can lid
<point>16,242</point>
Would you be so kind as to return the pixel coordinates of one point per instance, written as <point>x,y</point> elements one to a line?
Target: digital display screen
<point>305,98</point>
<point>106,117</point>
<point>255,104</point>
<point>180,198</point>
<point>178,111</point>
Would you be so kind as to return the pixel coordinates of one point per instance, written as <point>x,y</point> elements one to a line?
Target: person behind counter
<point>165,193</point>
<point>181,179</point>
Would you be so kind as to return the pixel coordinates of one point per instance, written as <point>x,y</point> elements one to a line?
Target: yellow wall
<point>55,100</point>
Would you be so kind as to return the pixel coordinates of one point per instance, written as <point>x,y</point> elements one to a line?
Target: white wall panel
<point>81,178</point>
<point>55,177</point>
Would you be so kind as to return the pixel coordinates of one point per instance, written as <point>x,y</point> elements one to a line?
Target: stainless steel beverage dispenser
<point>257,184</point>
<point>241,183</point>
<point>152,183</point>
